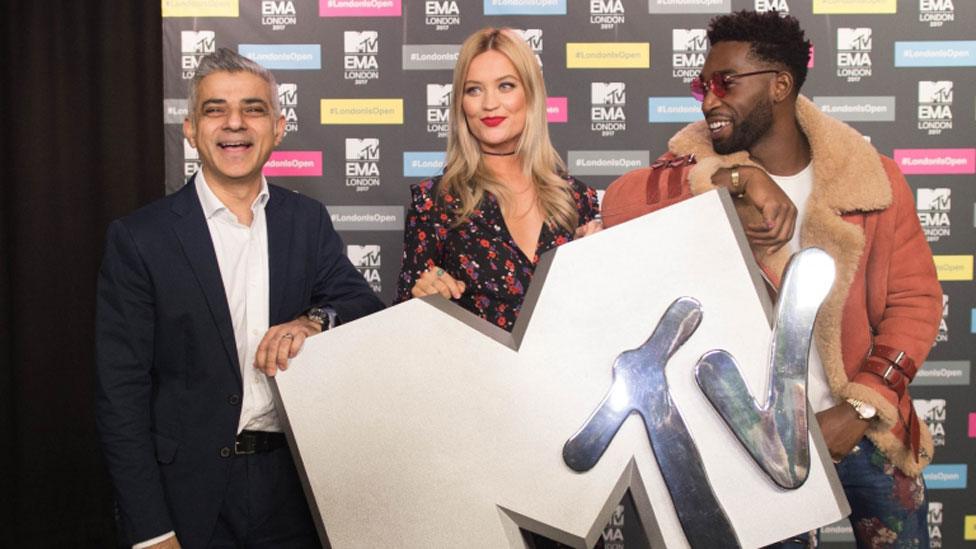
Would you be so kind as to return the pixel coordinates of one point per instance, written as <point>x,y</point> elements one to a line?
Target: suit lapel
<point>194,236</point>
<point>278,217</point>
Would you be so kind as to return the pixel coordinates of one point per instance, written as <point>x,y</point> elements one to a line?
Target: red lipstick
<point>492,121</point>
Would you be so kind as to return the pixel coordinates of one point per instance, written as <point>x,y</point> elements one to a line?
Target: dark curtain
<point>82,143</point>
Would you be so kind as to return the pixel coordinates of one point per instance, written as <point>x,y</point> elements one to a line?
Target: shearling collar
<point>847,169</point>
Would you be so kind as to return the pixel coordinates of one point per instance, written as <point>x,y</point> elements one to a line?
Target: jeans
<point>888,508</point>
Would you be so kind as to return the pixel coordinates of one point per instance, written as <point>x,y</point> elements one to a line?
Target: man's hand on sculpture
<point>282,342</point>
<point>436,280</point>
<point>777,210</point>
<point>842,429</point>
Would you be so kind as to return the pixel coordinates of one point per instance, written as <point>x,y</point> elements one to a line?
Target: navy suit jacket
<point>168,380</point>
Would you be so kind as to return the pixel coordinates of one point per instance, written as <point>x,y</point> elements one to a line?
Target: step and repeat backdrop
<point>365,86</point>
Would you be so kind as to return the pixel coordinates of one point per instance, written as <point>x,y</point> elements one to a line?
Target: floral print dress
<point>479,252</point>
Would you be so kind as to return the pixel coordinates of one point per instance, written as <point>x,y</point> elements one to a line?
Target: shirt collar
<point>212,205</point>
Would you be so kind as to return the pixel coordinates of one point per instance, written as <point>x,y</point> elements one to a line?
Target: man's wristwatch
<point>325,316</point>
<point>864,410</point>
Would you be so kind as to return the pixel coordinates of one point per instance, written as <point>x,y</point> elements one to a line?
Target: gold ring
<point>287,335</point>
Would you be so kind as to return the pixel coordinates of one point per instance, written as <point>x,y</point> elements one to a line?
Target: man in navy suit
<point>201,296</point>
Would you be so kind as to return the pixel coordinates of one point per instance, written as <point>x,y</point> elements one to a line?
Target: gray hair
<point>228,60</point>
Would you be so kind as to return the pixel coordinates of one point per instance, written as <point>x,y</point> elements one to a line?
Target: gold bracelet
<point>737,188</point>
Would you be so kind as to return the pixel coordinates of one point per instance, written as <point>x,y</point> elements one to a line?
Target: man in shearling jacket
<point>881,317</point>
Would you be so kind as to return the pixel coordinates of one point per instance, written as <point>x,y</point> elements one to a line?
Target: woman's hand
<point>437,281</point>
<point>592,227</point>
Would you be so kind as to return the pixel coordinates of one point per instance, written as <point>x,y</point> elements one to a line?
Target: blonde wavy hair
<point>465,174</point>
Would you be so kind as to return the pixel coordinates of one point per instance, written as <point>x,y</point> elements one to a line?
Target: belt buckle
<point>888,376</point>
<point>244,445</point>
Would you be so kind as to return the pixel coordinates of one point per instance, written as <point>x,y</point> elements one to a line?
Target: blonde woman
<point>475,233</point>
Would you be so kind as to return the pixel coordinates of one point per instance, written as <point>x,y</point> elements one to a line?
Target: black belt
<point>256,442</point>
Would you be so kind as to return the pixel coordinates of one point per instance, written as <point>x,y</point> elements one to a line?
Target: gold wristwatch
<point>864,410</point>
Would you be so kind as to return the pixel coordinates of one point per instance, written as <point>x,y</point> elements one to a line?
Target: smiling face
<point>233,127</point>
<point>494,102</point>
<point>744,116</point>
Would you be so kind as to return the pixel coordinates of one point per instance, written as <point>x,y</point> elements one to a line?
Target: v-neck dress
<point>479,252</point>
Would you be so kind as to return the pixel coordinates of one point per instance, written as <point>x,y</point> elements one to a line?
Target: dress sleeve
<point>423,236</point>
<point>587,202</point>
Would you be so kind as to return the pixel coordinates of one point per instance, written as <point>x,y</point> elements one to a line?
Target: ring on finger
<point>288,335</point>
<point>439,272</point>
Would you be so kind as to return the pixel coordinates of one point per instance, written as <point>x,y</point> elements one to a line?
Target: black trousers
<point>265,506</point>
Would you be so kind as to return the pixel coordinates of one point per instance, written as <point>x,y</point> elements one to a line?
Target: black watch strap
<point>325,316</point>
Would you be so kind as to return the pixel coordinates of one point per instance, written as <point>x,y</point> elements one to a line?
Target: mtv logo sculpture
<point>411,441</point>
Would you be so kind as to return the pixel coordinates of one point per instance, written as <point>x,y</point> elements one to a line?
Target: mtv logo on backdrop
<point>937,199</point>
<point>935,92</point>
<point>689,39</point>
<point>933,207</point>
<point>363,149</point>
<point>936,12</point>
<point>608,93</point>
<point>361,41</point>
<point>441,15</point>
<point>193,46</point>
<point>204,41</point>
<point>856,39</point>
<point>278,15</point>
<point>533,37</point>
<point>935,524</point>
<point>607,14</point>
<point>288,97</point>
<point>189,151</point>
<point>364,256</point>
<point>935,106</point>
<point>933,413</point>
<point>366,260</point>
<point>688,55</point>
<point>288,94</point>
<point>439,95</point>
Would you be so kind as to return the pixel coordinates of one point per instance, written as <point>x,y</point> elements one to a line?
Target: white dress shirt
<point>242,256</point>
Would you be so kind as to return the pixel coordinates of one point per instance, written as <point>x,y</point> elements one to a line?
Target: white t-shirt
<point>798,187</point>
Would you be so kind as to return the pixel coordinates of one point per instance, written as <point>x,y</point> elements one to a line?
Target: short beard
<point>746,133</point>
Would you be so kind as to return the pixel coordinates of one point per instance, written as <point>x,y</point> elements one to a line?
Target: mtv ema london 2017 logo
<point>288,97</point>
<point>935,524</point>
<point>936,12</point>
<point>438,108</point>
<point>688,55</point>
<point>361,49</point>
<point>362,163</point>
<point>607,115</point>
<point>366,260</point>
<point>278,15</point>
<point>440,15</point>
<point>607,14</point>
<point>935,106</point>
<point>933,205</point>
<point>933,413</point>
<point>193,46</point>
<point>854,53</point>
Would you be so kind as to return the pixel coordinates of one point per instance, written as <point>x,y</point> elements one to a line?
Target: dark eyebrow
<point>253,100</point>
<point>213,102</point>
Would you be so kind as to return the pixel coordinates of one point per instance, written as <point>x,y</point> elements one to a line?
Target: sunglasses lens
<point>698,89</point>
<point>718,84</point>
